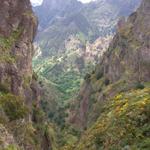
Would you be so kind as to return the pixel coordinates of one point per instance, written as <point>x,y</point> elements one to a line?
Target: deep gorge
<point>75,76</point>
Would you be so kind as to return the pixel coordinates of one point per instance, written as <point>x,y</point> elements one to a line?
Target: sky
<point>38,2</point>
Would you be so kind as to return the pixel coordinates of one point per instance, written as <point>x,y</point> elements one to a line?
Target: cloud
<point>36,2</point>
<point>39,2</point>
<point>85,1</point>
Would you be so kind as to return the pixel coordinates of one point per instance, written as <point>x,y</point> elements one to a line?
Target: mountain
<point>114,102</point>
<point>51,9</point>
<point>123,67</point>
<point>112,109</point>
<point>72,17</point>
<point>22,124</point>
<point>72,37</point>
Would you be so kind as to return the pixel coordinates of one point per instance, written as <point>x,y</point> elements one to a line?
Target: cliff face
<point>17,30</point>
<point>18,88</point>
<point>124,66</point>
<point>129,52</point>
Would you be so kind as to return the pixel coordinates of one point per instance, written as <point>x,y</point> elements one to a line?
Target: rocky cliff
<point>17,30</point>
<point>124,66</point>
<point>19,92</point>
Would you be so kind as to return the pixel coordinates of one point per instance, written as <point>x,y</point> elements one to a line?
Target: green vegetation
<point>67,82</point>
<point>119,123</point>
<point>99,75</point>
<point>13,106</point>
<point>38,114</point>
<point>7,59</point>
<point>7,42</point>
<point>11,147</point>
<point>107,81</point>
<point>124,124</point>
<point>5,46</point>
<point>82,37</point>
<point>26,81</point>
<point>140,86</point>
<point>4,88</point>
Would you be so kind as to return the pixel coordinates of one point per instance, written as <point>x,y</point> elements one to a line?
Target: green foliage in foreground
<point>123,124</point>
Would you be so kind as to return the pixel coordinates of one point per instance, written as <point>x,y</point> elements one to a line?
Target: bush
<point>3,88</point>
<point>123,124</point>
<point>93,71</point>
<point>13,106</point>
<point>107,81</point>
<point>99,75</point>
<point>11,147</point>
<point>38,115</point>
<point>99,90</point>
<point>140,86</point>
<point>34,76</point>
<point>87,77</point>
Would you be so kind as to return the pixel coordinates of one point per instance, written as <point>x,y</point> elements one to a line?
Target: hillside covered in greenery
<point>84,84</point>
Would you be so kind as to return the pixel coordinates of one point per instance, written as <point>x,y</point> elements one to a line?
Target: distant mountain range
<point>59,19</point>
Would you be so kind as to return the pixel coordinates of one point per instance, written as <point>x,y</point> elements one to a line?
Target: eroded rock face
<point>129,52</point>
<point>126,63</point>
<point>18,87</point>
<point>17,30</point>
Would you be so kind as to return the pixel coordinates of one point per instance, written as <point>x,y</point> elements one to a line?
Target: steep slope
<point>16,46</point>
<point>114,103</point>
<point>124,66</point>
<point>123,124</point>
<point>20,126</point>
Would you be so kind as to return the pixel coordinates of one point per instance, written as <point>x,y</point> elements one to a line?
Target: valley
<point>75,76</point>
<point>71,39</point>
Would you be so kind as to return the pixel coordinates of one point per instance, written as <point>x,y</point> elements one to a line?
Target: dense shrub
<point>140,86</point>
<point>100,89</point>
<point>93,71</point>
<point>11,147</point>
<point>87,77</point>
<point>124,124</point>
<point>4,88</point>
<point>34,76</point>
<point>107,81</point>
<point>99,75</point>
<point>38,114</point>
<point>13,106</point>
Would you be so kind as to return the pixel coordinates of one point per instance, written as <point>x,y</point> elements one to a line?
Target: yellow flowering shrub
<point>125,124</point>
